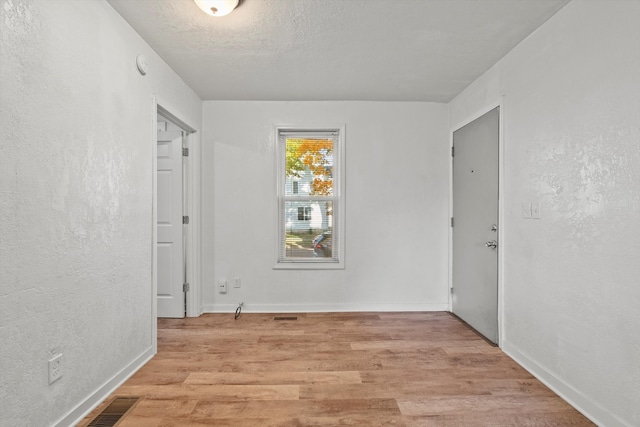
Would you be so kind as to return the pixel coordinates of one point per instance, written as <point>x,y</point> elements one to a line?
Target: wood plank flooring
<point>334,369</point>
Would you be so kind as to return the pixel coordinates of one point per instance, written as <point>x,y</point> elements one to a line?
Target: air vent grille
<point>112,413</point>
<point>285,318</point>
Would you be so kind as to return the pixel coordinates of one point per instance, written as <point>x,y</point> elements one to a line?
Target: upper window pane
<point>309,167</point>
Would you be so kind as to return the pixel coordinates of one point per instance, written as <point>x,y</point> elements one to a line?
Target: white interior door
<point>475,219</point>
<point>171,298</point>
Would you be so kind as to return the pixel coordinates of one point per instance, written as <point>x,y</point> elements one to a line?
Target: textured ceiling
<point>382,50</point>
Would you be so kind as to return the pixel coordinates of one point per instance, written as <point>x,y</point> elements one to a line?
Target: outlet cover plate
<point>222,287</point>
<point>55,368</point>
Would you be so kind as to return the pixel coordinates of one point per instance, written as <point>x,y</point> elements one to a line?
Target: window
<point>304,213</point>
<point>310,198</point>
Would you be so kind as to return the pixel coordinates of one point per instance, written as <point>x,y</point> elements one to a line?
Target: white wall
<point>75,203</point>
<point>572,142</point>
<point>396,207</point>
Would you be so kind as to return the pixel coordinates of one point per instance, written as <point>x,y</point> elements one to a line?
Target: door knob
<point>491,244</point>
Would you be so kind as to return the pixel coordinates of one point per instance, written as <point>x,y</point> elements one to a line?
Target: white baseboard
<point>322,308</point>
<point>93,400</point>
<point>583,404</point>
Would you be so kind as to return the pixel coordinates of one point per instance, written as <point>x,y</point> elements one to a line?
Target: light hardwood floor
<point>334,369</point>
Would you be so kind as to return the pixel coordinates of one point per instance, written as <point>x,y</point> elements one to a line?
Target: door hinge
<point>185,287</point>
<point>452,221</point>
<point>452,151</point>
<point>185,152</point>
<point>452,290</point>
<point>185,220</point>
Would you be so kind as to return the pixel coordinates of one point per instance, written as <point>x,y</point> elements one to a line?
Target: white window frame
<point>338,199</point>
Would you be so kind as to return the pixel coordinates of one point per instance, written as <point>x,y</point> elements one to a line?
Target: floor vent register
<point>114,412</point>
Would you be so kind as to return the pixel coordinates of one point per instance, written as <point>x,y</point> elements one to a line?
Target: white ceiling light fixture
<point>217,7</point>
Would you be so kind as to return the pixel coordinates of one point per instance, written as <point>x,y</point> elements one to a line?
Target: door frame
<point>501,234</point>
<point>193,185</point>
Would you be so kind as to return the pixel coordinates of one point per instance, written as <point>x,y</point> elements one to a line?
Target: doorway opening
<point>175,243</point>
<point>172,218</point>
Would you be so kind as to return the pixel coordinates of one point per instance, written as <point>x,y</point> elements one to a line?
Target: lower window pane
<point>308,229</point>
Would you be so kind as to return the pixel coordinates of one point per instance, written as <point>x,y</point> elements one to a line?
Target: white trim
<point>579,401</point>
<point>194,296</point>
<point>309,265</point>
<point>340,198</point>
<point>154,226</point>
<point>501,216</point>
<point>501,235</point>
<point>98,396</point>
<point>325,308</point>
<point>174,119</point>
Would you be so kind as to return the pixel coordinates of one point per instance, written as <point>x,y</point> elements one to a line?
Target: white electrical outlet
<point>222,287</point>
<point>55,368</point>
<point>236,282</point>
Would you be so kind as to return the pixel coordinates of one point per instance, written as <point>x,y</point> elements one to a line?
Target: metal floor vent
<point>112,413</point>
<point>285,318</point>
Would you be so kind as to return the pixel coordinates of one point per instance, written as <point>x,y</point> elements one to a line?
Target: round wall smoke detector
<point>141,62</point>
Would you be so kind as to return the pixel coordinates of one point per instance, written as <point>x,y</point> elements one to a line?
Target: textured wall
<point>75,200</point>
<point>396,207</point>
<point>572,142</point>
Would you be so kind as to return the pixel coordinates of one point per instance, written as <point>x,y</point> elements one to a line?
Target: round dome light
<point>217,7</point>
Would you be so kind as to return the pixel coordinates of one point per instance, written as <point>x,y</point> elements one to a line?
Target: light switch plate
<point>526,210</point>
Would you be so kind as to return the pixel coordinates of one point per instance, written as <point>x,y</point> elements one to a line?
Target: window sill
<point>309,266</point>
